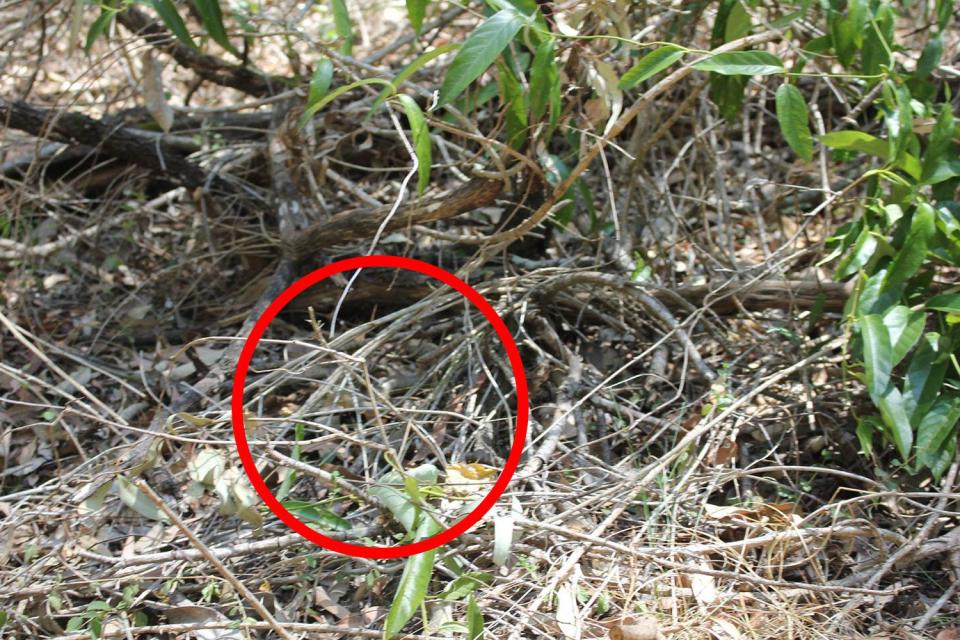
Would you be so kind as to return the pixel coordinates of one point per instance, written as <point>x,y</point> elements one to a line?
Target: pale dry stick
<point>243,549</point>
<point>656,555</point>
<point>326,478</point>
<point>401,194</point>
<point>221,568</point>
<point>18,334</point>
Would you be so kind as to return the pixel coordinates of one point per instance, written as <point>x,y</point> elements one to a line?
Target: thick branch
<point>358,225</point>
<point>119,142</point>
<point>208,67</point>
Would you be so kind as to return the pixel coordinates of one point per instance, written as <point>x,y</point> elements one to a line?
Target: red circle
<point>513,355</point>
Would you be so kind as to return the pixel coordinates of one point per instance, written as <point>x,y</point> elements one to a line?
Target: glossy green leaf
<point>320,82</point>
<point>312,109</point>
<point>863,250</point>
<point>650,65</point>
<point>543,77</point>
<point>414,581</point>
<point>170,17</point>
<point>416,10</point>
<point>904,328</point>
<point>794,120</point>
<point>866,143</point>
<point>344,25</point>
<point>912,254</point>
<point>877,354</point>
<point>420,134</point>
<point>949,302</point>
<point>99,27</point>
<point>944,12</point>
<point>212,19</point>
<point>742,63</point>
<point>937,430</point>
<point>474,620</point>
<point>895,417</point>
<point>420,62</point>
<point>465,584</point>
<point>924,377</point>
<point>479,52</point>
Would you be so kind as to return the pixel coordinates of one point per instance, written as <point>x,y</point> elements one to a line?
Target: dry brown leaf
<point>950,633</point>
<point>645,628</point>
<point>153,94</point>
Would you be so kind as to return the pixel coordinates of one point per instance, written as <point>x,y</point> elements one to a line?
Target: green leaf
<point>930,58</point>
<point>899,119</point>
<point>343,24</point>
<point>474,620</point>
<point>912,254</point>
<point>924,377</point>
<point>312,109</point>
<point>859,256</point>
<point>936,432</point>
<point>136,500</point>
<point>313,513</point>
<point>543,77</point>
<point>727,92</point>
<point>949,302</point>
<point>794,120</point>
<point>904,328</point>
<point>98,28</point>
<point>742,63</point>
<point>866,143</point>
<point>855,141</point>
<point>479,52</point>
<point>650,65</point>
<point>464,585</point>
<point>416,10</point>
<point>399,503</point>
<point>320,82</point>
<point>212,19</point>
<point>421,140</point>
<point>877,354</point>
<point>513,97</point>
<point>168,13</point>
<point>895,416</point>
<point>738,23</point>
<point>940,141</point>
<point>414,581</point>
<point>408,71</point>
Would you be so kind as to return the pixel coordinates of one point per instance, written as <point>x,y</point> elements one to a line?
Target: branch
<point>208,67</point>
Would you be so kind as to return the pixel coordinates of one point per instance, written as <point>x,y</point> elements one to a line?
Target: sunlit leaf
<point>344,25</point>
<point>742,63</point>
<point>650,65</point>
<point>794,120</point>
<point>877,353</point>
<point>479,52</point>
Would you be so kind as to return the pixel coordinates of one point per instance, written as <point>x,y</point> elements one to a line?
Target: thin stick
<point>212,559</point>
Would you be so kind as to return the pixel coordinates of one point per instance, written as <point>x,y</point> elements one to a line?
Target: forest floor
<point>691,466</point>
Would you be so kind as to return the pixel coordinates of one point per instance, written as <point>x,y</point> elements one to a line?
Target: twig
<point>221,568</point>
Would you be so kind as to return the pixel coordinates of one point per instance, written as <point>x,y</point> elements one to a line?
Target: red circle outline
<point>513,355</point>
